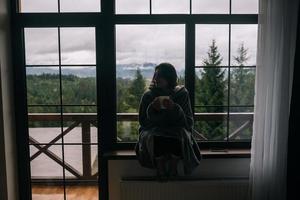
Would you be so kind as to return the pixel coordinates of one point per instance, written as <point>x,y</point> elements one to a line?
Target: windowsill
<point>206,154</point>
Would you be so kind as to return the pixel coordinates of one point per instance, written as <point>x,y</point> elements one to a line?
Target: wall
<point>209,168</point>
<point>8,178</point>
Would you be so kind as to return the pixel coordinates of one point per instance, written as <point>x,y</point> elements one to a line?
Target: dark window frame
<point>104,23</point>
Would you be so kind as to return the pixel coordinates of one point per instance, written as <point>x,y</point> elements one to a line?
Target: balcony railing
<point>87,120</point>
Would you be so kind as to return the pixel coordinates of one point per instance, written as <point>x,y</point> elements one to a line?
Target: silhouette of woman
<point>166,126</point>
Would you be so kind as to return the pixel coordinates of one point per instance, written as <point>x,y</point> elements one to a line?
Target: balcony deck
<point>72,192</point>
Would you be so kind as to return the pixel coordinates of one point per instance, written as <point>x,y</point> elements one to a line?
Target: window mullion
<point>190,60</point>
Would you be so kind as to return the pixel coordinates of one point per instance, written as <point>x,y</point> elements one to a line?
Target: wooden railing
<point>87,120</point>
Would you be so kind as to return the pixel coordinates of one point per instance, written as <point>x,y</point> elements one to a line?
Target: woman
<point>165,135</point>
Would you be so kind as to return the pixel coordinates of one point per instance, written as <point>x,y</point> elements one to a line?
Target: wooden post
<point>86,150</point>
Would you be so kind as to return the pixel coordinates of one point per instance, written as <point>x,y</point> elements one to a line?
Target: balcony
<point>84,125</point>
<point>81,178</point>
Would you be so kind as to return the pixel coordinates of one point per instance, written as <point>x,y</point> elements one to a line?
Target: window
<point>61,99</point>
<point>139,48</point>
<point>224,81</point>
<point>82,66</point>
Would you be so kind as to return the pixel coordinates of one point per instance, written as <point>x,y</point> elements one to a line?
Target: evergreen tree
<point>241,89</point>
<point>242,79</point>
<point>122,94</point>
<point>210,91</point>
<point>136,90</point>
<point>242,57</point>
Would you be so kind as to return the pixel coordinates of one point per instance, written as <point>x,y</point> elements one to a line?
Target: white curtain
<point>277,27</point>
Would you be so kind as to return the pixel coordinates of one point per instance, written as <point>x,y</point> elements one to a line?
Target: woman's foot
<point>161,170</point>
<point>173,164</point>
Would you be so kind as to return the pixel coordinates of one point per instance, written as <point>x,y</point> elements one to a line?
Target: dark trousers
<point>166,145</point>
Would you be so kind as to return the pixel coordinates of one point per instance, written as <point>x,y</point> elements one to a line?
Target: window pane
<point>132,6</point>
<point>240,123</point>
<point>243,45</point>
<point>212,39</point>
<point>79,85</point>
<point>210,6</point>
<point>82,160</point>
<point>242,86</point>
<point>41,130</point>
<point>139,49</point>
<point>42,85</point>
<point>73,157</point>
<point>41,46</point>
<point>210,123</point>
<point>38,6</point>
<point>80,122</point>
<point>80,5</point>
<point>127,131</point>
<point>78,46</point>
<point>244,6</point>
<point>44,165</point>
<point>170,6</point>
<point>211,87</point>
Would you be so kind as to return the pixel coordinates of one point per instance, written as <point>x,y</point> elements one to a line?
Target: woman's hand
<point>168,103</point>
<point>156,104</point>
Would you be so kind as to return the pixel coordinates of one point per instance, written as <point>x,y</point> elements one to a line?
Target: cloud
<point>65,5</point>
<point>77,46</point>
<point>38,5</point>
<point>142,6</point>
<point>204,36</point>
<point>150,43</point>
<point>170,6</point>
<point>132,6</point>
<point>139,43</point>
<point>41,46</point>
<point>80,5</point>
<point>246,34</point>
<point>209,6</point>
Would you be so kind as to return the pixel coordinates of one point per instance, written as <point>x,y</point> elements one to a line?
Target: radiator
<point>184,190</point>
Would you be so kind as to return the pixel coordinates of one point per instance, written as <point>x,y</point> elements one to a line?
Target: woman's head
<point>165,76</point>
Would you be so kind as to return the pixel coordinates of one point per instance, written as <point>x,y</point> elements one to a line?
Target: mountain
<point>122,70</point>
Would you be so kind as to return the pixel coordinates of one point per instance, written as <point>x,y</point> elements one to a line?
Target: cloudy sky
<point>142,6</point>
<point>138,43</point>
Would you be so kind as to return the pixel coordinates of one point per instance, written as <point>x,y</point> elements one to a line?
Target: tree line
<point>211,94</point>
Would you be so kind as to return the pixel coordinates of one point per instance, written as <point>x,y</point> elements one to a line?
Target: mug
<point>161,99</point>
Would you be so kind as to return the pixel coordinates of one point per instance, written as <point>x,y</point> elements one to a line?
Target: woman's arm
<point>182,114</point>
<point>144,103</point>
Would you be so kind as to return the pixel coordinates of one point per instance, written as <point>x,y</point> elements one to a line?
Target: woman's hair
<point>168,72</point>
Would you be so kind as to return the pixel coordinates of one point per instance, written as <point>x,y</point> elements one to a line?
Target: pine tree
<point>242,79</point>
<point>241,88</point>
<point>210,91</point>
<point>242,57</point>
<point>136,90</point>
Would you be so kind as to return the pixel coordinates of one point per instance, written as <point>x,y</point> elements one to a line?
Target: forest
<point>212,84</point>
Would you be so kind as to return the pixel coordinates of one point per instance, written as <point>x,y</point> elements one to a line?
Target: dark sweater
<point>176,123</point>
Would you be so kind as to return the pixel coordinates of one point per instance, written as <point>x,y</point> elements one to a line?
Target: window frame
<point>190,21</point>
<point>104,23</point>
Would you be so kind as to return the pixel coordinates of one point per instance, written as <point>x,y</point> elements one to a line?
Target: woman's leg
<point>168,153</point>
<point>175,153</point>
<point>160,157</point>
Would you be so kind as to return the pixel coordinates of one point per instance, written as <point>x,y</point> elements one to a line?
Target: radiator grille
<point>184,190</point>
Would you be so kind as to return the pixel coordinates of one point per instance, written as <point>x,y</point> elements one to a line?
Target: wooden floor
<point>72,193</point>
